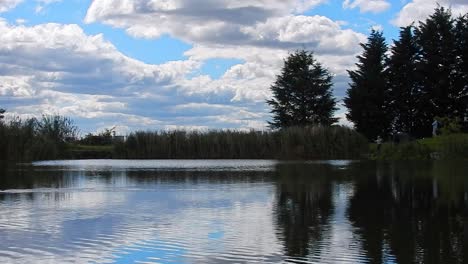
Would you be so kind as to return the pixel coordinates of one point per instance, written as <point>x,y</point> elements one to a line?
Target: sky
<point>178,64</point>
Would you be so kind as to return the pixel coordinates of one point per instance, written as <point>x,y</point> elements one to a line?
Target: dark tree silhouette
<point>366,97</point>
<point>403,85</point>
<point>302,93</point>
<point>461,76</point>
<point>436,39</point>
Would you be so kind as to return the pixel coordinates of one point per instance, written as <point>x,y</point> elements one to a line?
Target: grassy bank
<point>79,151</point>
<point>35,139</point>
<point>454,146</point>
<point>293,143</point>
<point>55,138</point>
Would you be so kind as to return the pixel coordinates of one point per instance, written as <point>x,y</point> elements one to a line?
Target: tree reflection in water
<point>410,212</point>
<point>418,210</point>
<point>304,206</point>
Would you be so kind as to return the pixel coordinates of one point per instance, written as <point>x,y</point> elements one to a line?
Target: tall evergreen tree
<point>2,111</point>
<point>436,39</point>
<point>366,98</point>
<point>404,89</point>
<point>302,93</point>
<point>461,51</point>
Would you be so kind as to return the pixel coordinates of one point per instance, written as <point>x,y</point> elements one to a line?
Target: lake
<point>233,211</point>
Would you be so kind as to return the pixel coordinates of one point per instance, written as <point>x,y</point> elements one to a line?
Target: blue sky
<point>166,64</point>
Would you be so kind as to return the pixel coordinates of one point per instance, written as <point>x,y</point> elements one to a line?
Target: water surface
<point>242,211</point>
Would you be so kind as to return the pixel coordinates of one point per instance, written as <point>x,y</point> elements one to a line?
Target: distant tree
<point>57,128</point>
<point>103,138</point>
<point>302,93</point>
<point>367,98</point>
<point>2,112</point>
<point>437,66</point>
<point>403,86</point>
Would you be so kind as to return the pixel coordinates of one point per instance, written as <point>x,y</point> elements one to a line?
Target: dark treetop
<point>366,98</point>
<point>302,93</point>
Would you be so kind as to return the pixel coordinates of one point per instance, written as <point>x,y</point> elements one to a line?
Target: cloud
<point>53,68</point>
<point>213,21</point>
<point>43,3</point>
<point>261,38</point>
<point>372,6</point>
<point>59,69</point>
<point>419,10</point>
<point>6,5</point>
<point>317,33</point>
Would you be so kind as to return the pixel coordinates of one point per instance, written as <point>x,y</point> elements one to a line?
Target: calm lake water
<point>245,211</point>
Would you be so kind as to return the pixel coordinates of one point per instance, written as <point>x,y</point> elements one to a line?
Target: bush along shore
<point>451,146</point>
<point>318,142</point>
<point>54,137</point>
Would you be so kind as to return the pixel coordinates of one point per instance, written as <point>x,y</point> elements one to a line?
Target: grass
<point>80,151</point>
<point>292,143</point>
<point>97,148</point>
<point>454,146</point>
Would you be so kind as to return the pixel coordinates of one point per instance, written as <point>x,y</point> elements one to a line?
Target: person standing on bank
<point>435,127</point>
<point>379,143</point>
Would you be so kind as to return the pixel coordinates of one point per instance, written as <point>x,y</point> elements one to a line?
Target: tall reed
<point>35,139</point>
<point>292,143</point>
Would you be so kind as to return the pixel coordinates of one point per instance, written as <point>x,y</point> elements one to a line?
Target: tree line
<point>422,76</point>
<point>56,137</point>
<point>317,142</point>
<point>396,89</point>
<point>400,88</point>
<point>35,139</point>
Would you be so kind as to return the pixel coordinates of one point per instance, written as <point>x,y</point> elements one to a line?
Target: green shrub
<point>404,151</point>
<point>292,143</point>
<point>452,146</point>
<point>33,139</point>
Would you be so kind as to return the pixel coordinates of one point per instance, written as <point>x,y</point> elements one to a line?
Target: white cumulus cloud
<point>372,6</point>
<point>6,5</point>
<point>419,10</point>
<point>54,68</point>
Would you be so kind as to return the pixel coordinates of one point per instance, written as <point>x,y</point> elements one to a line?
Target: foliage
<point>292,143</point>
<point>404,151</point>
<point>403,87</point>
<point>78,151</point>
<point>57,128</point>
<point>436,40</point>
<point>366,98</point>
<point>302,93</point>
<point>2,112</point>
<point>449,125</point>
<point>461,66</point>
<point>426,75</point>
<point>33,139</point>
<point>453,146</point>
<point>103,138</point>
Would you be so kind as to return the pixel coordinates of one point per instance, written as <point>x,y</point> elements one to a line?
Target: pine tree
<point>436,39</point>
<point>403,85</point>
<point>302,93</point>
<point>366,98</point>
<point>461,51</point>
